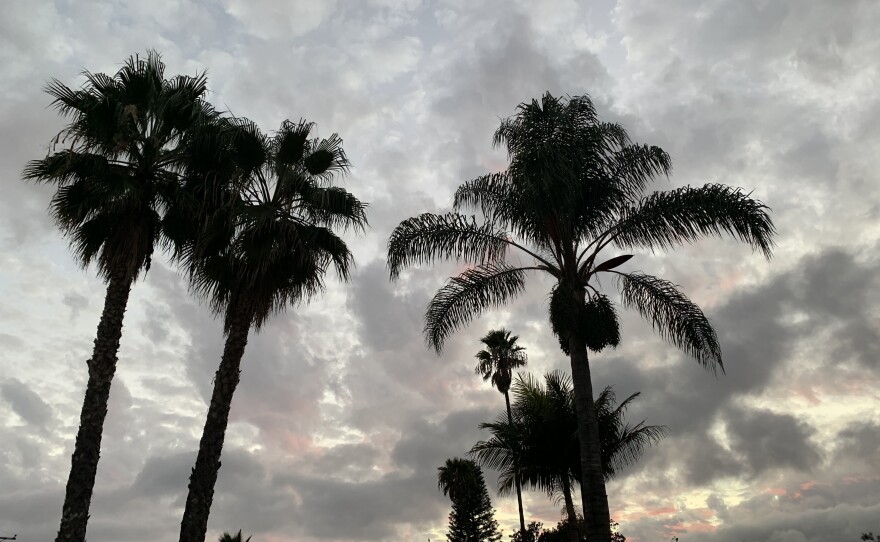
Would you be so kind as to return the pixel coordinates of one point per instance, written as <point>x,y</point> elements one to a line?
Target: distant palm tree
<point>543,438</point>
<point>129,137</point>
<point>226,537</point>
<point>265,242</point>
<point>575,186</point>
<point>497,363</point>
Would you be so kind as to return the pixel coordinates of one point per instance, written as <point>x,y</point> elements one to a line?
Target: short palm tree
<point>542,438</point>
<point>496,363</point>
<point>574,187</point>
<point>129,137</point>
<point>265,242</point>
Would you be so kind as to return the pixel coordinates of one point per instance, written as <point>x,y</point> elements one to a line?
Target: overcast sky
<point>343,416</point>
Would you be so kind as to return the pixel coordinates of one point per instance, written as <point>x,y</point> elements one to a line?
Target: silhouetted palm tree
<point>574,186</point>
<point>543,438</point>
<point>265,243</point>
<point>497,363</point>
<point>129,137</point>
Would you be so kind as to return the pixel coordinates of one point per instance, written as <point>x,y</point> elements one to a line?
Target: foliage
<point>472,517</point>
<point>129,138</point>
<point>573,187</point>
<point>560,533</point>
<point>531,534</point>
<point>226,537</point>
<point>543,435</point>
<point>261,233</point>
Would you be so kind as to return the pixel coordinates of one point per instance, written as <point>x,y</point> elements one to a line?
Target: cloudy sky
<point>343,416</point>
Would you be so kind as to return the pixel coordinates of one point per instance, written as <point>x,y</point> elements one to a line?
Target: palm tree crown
<point>500,358</point>
<point>130,137</point>
<point>574,187</point>
<point>268,237</point>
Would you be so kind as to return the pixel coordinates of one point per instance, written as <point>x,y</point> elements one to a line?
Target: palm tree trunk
<point>204,475</point>
<point>595,501</point>
<point>569,509</point>
<point>87,449</point>
<point>522,519</point>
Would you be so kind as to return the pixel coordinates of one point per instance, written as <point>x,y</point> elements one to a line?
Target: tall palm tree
<point>574,187</point>
<point>265,242</point>
<point>129,136</point>
<point>497,363</point>
<point>542,438</point>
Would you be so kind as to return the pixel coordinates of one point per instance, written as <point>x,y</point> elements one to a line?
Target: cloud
<point>29,406</point>
<point>342,414</point>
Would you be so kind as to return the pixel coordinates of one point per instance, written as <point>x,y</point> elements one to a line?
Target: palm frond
<point>467,295</point>
<point>334,207</point>
<point>666,219</point>
<point>630,445</point>
<point>675,317</point>
<point>634,165</point>
<point>430,237</point>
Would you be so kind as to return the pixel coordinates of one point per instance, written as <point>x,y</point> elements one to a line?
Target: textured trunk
<point>204,475</point>
<point>522,519</point>
<point>569,509</point>
<point>595,501</point>
<point>87,449</point>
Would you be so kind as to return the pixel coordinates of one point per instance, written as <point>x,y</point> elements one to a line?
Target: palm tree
<point>574,187</point>
<point>497,364</point>
<point>542,438</point>
<point>129,136</point>
<point>472,518</point>
<point>266,244</point>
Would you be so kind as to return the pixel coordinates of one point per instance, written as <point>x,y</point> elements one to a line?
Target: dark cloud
<point>768,441</point>
<point>28,405</point>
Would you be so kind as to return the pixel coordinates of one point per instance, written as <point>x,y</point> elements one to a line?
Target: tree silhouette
<point>574,186</point>
<point>472,518</point>
<point>128,138</point>
<point>543,438</point>
<point>263,241</point>
<point>496,363</point>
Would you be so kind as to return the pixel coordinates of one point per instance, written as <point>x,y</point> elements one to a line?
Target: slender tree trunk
<point>522,519</point>
<point>595,500</point>
<point>569,509</point>
<point>87,449</point>
<point>204,475</point>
